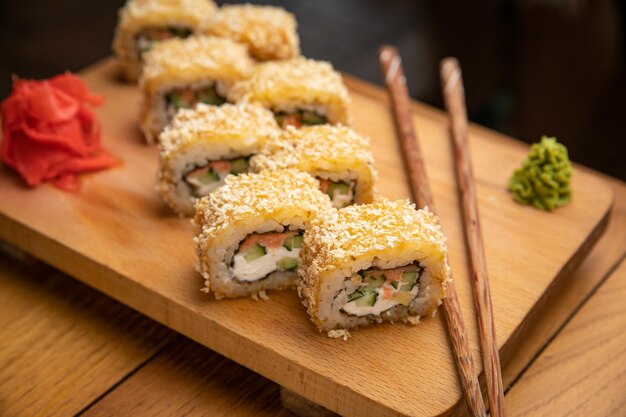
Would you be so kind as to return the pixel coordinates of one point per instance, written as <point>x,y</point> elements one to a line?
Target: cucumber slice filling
<point>299,118</point>
<point>280,118</point>
<point>355,295</point>
<point>311,119</point>
<point>179,99</point>
<point>209,96</point>
<point>340,187</point>
<point>288,264</point>
<point>175,100</point>
<point>254,253</point>
<point>368,299</point>
<point>199,178</point>
<point>148,37</point>
<point>341,193</point>
<point>408,280</point>
<point>374,282</point>
<point>293,242</point>
<point>180,32</point>
<point>239,166</point>
<point>374,286</point>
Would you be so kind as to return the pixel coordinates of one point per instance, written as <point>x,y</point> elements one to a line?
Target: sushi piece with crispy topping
<point>182,73</point>
<point>300,92</point>
<point>203,146</point>
<point>144,23</point>
<point>371,263</point>
<point>251,231</point>
<point>269,32</point>
<point>339,157</point>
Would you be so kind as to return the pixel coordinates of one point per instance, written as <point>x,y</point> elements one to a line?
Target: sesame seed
<point>297,81</point>
<point>195,58</point>
<point>269,32</point>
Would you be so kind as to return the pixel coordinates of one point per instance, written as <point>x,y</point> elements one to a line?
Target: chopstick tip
<point>450,73</point>
<point>386,52</point>
<point>391,61</point>
<point>449,63</point>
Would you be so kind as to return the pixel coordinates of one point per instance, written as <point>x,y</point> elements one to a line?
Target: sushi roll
<point>337,156</point>
<point>299,91</point>
<point>179,73</point>
<point>371,263</point>
<point>269,32</point>
<point>251,231</point>
<point>143,23</point>
<point>204,145</point>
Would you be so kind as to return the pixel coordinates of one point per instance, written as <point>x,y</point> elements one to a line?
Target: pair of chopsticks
<point>452,85</point>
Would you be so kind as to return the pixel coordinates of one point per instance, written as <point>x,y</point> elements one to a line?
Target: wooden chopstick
<point>452,85</point>
<point>393,76</point>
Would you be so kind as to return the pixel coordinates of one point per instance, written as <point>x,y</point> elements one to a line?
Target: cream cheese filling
<point>342,200</point>
<point>201,190</point>
<point>261,267</point>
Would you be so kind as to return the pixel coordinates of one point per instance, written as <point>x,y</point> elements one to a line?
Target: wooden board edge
<point>33,243</point>
<point>551,293</point>
<point>581,371</point>
<point>155,306</point>
<point>301,406</point>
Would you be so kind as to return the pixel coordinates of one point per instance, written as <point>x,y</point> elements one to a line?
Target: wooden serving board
<point>117,236</point>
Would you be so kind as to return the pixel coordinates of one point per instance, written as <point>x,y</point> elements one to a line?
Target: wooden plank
<point>118,236</point>
<point>187,379</point>
<point>63,344</point>
<point>583,372</point>
<point>581,283</point>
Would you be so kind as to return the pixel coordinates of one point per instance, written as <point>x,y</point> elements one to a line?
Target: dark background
<point>531,67</point>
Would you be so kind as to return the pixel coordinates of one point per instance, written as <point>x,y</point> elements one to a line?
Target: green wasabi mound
<point>544,178</point>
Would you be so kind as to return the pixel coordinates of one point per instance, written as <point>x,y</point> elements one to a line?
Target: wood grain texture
<point>117,236</point>
<point>581,282</point>
<point>583,372</point>
<point>604,255</point>
<point>302,407</point>
<point>394,78</point>
<point>454,99</point>
<point>186,379</point>
<point>63,344</point>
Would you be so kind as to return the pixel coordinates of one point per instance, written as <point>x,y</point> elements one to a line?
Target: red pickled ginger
<point>50,133</point>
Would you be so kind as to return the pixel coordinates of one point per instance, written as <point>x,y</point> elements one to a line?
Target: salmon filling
<point>203,180</point>
<point>299,118</point>
<point>341,193</point>
<point>148,37</point>
<point>374,291</point>
<point>260,254</point>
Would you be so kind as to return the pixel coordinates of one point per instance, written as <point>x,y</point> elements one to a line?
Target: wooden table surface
<point>65,349</point>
